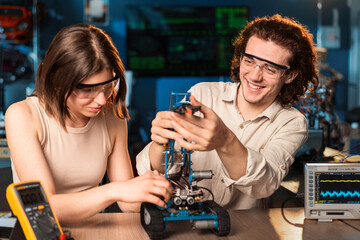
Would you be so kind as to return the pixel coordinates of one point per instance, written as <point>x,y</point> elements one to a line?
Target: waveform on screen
<point>347,181</point>
<point>340,194</point>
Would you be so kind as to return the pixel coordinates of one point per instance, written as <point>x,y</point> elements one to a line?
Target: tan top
<point>272,139</point>
<point>78,158</point>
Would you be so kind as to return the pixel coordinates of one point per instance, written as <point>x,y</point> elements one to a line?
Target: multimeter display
<point>29,203</point>
<point>30,196</point>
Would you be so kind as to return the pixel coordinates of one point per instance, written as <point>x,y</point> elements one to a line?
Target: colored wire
<point>351,155</point>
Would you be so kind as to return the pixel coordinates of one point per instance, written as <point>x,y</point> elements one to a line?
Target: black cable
<point>301,225</point>
<point>212,195</point>
<point>342,220</point>
<point>282,210</point>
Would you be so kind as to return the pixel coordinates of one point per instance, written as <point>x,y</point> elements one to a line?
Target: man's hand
<point>161,128</point>
<point>202,134</point>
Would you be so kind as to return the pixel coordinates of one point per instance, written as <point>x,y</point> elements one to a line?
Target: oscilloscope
<point>332,191</point>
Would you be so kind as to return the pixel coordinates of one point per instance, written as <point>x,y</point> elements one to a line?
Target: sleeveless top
<point>78,158</point>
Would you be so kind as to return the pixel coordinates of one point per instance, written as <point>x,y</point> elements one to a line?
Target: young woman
<point>73,129</point>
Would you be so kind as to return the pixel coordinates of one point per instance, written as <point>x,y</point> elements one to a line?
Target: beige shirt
<point>272,140</point>
<point>78,158</point>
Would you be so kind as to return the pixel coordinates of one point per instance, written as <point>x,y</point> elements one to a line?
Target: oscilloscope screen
<point>339,187</point>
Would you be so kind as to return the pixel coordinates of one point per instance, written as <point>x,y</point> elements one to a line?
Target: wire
<point>352,148</point>
<point>283,214</point>
<point>185,180</point>
<point>212,195</point>
<point>357,229</point>
<point>177,184</point>
<point>351,155</point>
<point>301,225</point>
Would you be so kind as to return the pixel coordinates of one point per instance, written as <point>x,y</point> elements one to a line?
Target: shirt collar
<point>230,93</point>
<point>272,110</point>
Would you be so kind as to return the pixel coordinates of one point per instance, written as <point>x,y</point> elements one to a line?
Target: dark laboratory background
<point>171,45</point>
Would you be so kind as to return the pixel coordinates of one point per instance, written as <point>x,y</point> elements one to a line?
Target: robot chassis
<point>187,201</point>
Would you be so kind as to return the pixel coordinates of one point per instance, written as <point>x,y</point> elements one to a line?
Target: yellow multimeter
<point>29,203</point>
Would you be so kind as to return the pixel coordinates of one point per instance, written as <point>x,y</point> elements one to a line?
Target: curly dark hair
<point>77,52</point>
<point>291,35</point>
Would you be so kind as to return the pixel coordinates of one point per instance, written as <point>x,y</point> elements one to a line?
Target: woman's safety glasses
<point>92,90</point>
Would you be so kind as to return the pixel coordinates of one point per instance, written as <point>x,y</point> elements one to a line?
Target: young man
<point>248,134</point>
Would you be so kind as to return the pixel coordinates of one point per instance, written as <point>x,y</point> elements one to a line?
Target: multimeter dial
<point>30,204</point>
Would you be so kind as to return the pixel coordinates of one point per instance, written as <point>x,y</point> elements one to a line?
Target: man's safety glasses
<point>269,69</point>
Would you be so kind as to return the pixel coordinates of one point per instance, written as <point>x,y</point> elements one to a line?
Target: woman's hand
<point>150,187</point>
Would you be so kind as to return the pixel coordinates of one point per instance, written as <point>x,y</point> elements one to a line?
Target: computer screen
<point>182,41</point>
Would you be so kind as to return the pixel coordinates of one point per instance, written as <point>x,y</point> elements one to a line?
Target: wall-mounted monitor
<point>182,41</point>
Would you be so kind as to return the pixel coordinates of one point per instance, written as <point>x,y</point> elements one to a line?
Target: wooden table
<point>245,224</point>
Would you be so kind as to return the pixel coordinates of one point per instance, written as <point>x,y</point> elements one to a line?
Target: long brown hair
<point>291,35</point>
<point>77,52</point>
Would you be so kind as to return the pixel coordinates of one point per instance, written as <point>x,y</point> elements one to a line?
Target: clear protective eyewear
<point>92,90</point>
<point>269,69</point>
